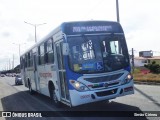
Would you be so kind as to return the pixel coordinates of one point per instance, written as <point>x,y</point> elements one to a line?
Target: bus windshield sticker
<point>88,66</point>
<point>76,67</point>
<point>99,65</point>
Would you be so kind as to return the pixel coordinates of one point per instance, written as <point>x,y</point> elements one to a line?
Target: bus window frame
<point>47,51</point>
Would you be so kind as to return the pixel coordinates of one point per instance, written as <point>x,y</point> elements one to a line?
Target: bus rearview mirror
<point>65,49</point>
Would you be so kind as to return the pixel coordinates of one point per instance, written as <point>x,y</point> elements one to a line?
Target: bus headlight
<point>78,86</point>
<point>128,78</point>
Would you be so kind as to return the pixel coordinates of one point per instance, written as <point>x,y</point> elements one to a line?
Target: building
<point>146,54</point>
<point>145,57</point>
<point>141,61</point>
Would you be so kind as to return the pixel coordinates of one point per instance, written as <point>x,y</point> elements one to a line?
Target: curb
<point>147,83</point>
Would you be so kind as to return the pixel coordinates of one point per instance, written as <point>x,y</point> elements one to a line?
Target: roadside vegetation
<point>148,73</point>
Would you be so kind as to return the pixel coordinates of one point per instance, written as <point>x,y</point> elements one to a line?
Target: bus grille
<point>105,93</point>
<point>104,78</point>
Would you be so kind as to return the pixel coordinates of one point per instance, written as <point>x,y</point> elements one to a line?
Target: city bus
<point>78,63</point>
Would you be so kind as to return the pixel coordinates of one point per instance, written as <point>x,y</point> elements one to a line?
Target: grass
<point>145,77</point>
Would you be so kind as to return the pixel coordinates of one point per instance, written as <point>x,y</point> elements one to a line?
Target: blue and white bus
<point>79,63</point>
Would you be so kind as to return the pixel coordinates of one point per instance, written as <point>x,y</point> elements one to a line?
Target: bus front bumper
<point>79,98</point>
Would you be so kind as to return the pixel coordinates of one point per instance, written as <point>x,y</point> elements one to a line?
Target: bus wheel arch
<point>52,94</point>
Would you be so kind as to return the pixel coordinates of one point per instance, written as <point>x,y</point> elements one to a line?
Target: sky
<point>140,20</point>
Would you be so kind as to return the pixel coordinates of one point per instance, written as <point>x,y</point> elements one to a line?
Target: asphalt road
<point>17,98</point>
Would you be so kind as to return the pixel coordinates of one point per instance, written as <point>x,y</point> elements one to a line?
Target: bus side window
<point>21,62</point>
<point>39,61</point>
<point>41,54</point>
<point>26,60</point>
<point>49,54</point>
<point>30,59</point>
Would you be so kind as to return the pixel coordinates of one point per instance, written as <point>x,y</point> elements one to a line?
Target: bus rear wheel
<point>54,98</point>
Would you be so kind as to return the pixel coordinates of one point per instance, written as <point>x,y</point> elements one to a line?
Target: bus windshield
<point>97,53</point>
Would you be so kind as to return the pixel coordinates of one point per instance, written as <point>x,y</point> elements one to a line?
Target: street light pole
<point>35,28</point>
<point>35,33</point>
<point>13,62</point>
<point>117,10</point>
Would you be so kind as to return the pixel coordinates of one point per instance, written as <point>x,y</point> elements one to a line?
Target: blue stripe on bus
<point>69,74</point>
<point>128,69</point>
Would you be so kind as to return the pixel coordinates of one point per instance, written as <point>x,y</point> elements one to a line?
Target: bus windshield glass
<point>97,53</point>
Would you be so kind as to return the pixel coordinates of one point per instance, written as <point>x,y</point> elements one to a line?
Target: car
<point>18,80</point>
<point>2,75</point>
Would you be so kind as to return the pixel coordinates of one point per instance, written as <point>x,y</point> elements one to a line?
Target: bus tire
<point>53,96</point>
<point>30,88</point>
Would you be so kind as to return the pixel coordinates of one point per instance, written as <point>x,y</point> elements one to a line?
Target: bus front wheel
<point>53,97</point>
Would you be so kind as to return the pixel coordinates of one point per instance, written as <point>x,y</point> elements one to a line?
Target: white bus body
<point>69,66</point>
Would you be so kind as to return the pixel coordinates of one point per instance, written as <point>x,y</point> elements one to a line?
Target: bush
<point>136,70</point>
<point>155,68</point>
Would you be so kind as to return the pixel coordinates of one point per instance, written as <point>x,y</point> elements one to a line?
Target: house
<point>141,61</point>
<point>145,57</point>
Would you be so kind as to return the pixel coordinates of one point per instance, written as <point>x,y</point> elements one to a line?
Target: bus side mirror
<point>65,49</point>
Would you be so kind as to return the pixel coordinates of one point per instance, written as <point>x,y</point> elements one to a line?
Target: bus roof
<point>82,27</point>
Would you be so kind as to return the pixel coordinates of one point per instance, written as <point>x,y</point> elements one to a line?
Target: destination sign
<point>91,28</point>
<point>88,27</point>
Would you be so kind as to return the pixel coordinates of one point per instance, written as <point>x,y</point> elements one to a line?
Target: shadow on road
<point>23,101</point>
<point>147,96</point>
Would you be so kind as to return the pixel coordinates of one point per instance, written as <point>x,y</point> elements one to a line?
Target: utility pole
<point>13,63</point>
<point>133,59</point>
<point>117,10</point>
<point>9,64</point>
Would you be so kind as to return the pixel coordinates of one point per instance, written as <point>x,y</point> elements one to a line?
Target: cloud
<point>30,38</point>
<point>139,19</point>
<point>141,24</point>
<point>6,34</point>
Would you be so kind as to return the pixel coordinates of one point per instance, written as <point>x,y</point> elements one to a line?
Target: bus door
<point>62,73</point>
<point>36,79</point>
